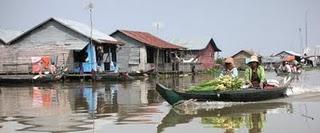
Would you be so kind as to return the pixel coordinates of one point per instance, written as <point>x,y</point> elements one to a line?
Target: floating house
<point>242,57</point>
<point>145,52</point>
<point>204,53</point>
<point>312,53</point>
<point>284,54</point>
<point>60,42</point>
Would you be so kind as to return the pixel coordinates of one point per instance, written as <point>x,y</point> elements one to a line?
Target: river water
<point>135,106</point>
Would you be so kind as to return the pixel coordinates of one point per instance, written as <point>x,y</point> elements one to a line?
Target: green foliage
<point>219,61</point>
<point>223,83</point>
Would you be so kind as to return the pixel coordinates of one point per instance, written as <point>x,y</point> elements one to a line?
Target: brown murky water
<point>135,106</point>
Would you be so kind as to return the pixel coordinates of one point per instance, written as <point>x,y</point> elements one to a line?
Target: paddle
<point>36,77</point>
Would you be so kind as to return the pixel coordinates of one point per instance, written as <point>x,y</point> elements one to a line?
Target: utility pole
<point>301,41</point>
<point>157,25</point>
<point>306,28</point>
<point>91,46</point>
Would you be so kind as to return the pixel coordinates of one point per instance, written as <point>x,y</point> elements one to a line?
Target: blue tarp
<point>91,63</point>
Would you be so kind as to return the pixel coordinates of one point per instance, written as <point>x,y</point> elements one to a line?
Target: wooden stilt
<point>157,61</point>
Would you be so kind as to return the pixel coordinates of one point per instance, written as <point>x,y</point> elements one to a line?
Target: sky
<point>265,26</point>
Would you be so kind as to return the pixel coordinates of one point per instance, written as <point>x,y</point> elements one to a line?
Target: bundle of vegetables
<point>223,83</point>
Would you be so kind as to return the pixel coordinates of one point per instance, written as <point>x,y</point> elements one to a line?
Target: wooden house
<point>284,54</point>
<point>312,54</point>
<point>204,53</point>
<point>65,42</point>
<point>144,52</point>
<point>242,57</point>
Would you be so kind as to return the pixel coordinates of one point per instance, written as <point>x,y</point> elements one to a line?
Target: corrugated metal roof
<point>250,52</point>
<point>149,39</point>
<point>78,27</point>
<point>293,53</point>
<point>191,44</point>
<point>7,35</point>
<point>289,52</point>
<point>198,45</point>
<point>85,30</point>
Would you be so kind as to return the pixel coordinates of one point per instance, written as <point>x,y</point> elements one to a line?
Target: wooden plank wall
<point>51,39</point>
<point>123,54</point>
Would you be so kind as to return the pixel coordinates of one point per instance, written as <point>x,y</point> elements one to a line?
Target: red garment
<point>46,60</point>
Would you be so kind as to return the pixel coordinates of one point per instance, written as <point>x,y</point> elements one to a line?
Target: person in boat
<point>288,68</point>
<point>229,68</point>
<point>285,67</point>
<point>254,74</point>
<point>295,67</point>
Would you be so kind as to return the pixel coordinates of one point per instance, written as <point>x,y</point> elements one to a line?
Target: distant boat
<point>281,73</point>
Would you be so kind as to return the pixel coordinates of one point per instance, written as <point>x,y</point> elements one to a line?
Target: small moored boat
<point>16,79</point>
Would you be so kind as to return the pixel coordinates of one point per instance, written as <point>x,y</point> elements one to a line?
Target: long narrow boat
<point>16,79</point>
<point>246,95</point>
<point>281,73</point>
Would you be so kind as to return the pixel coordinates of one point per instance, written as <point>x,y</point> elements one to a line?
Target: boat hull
<point>246,95</point>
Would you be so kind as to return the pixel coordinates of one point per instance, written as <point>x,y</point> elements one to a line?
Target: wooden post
<point>110,54</point>
<point>157,61</point>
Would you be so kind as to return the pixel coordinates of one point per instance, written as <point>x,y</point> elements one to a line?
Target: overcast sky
<point>266,26</point>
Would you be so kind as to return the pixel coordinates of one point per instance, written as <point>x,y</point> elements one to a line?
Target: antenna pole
<point>90,10</point>
<point>306,28</point>
<point>301,41</point>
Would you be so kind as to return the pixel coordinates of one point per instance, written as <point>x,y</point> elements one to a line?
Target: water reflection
<point>128,106</point>
<point>75,107</point>
<point>232,117</point>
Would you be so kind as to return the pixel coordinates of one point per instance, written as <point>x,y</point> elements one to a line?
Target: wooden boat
<point>16,79</point>
<point>110,76</point>
<point>115,77</point>
<point>246,95</point>
<point>281,73</point>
